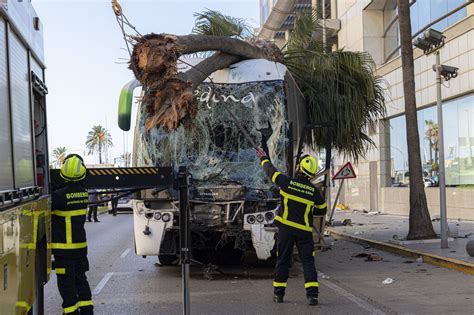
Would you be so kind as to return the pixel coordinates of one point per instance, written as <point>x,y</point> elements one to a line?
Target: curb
<point>446,262</point>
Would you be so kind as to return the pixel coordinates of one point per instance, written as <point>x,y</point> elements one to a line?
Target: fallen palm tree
<point>169,95</point>
<point>338,86</point>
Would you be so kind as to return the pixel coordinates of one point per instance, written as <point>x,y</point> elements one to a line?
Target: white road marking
<point>125,253</point>
<point>102,283</point>
<point>363,304</point>
<point>106,279</point>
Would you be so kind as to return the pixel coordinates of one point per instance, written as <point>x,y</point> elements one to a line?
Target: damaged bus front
<point>232,202</point>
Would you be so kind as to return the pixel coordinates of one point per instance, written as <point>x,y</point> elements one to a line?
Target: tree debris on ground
<point>388,281</point>
<point>368,257</point>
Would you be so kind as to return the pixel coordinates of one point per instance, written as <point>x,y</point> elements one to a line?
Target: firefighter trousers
<point>287,238</point>
<point>73,285</point>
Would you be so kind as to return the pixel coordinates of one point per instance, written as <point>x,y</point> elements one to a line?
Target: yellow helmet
<point>308,165</point>
<point>73,168</point>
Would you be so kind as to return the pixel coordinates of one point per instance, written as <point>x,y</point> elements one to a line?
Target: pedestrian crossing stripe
<point>124,171</point>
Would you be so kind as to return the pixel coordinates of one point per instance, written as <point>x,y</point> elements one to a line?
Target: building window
<point>422,12</point>
<point>458,144</point>
<point>459,141</point>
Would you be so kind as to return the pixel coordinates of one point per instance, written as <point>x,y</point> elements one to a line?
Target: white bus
<point>232,202</point>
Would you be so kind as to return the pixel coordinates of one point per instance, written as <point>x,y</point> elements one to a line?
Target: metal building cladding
<point>24,199</point>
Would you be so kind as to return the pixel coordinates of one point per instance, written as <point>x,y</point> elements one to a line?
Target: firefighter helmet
<point>308,165</point>
<point>73,168</point>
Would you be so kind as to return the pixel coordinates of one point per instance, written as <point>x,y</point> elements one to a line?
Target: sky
<point>86,56</point>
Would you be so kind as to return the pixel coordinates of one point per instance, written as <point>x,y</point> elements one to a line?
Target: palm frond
<point>340,87</point>
<point>97,138</point>
<point>302,33</point>
<point>211,22</point>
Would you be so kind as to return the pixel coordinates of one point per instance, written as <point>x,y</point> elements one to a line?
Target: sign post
<point>344,173</point>
<point>184,235</point>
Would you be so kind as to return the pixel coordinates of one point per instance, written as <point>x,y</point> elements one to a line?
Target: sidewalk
<point>383,231</point>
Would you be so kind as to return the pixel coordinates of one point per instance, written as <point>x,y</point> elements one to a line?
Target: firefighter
<point>69,245</point>
<point>300,200</point>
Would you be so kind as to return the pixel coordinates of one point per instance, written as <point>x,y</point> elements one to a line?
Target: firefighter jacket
<point>69,209</point>
<point>300,200</point>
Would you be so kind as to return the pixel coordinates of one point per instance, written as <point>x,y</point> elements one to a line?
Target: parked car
<point>125,204</point>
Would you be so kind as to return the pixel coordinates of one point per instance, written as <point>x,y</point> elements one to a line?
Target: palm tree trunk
<point>100,152</point>
<point>431,157</point>
<point>174,103</point>
<point>155,56</point>
<point>206,67</point>
<point>420,226</point>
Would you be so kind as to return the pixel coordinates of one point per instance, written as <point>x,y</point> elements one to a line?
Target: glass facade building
<point>458,143</point>
<point>422,13</point>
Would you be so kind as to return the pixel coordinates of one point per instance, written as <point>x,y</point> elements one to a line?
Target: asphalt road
<point>124,283</point>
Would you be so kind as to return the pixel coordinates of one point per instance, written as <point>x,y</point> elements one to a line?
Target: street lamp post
<point>430,42</point>
<point>441,169</point>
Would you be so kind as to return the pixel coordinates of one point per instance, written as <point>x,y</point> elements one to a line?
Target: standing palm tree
<point>59,154</point>
<point>98,139</point>
<point>432,135</point>
<point>420,226</point>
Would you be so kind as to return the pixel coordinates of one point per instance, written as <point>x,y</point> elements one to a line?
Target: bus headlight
<point>157,215</point>
<point>166,217</point>
<point>269,216</point>
<point>260,218</point>
<point>149,215</point>
<point>251,219</point>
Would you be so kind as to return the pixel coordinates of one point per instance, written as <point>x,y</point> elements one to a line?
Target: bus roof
<point>252,70</point>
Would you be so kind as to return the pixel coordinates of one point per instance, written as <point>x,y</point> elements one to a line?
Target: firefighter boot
<point>312,300</point>
<point>278,298</point>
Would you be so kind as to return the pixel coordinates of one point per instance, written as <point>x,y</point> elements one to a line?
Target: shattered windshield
<point>213,147</point>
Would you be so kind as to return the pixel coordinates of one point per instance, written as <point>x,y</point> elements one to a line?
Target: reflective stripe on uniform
<point>70,309</point>
<point>296,198</point>
<point>275,175</point>
<point>306,215</point>
<point>314,253</point>
<point>68,230</point>
<point>85,303</point>
<point>285,208</point>
<point>284,219</point>
<point>279,284</point>
<point>324,205</point>
<point>23,304</point>
<point>294,224</point>
<point>36,214</point>
<point>60,271</point>
<point>73,213</point>
<point>67,246</point>
<point>68,222</point>
<point>264,162</point>
<point>311,284</point>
